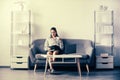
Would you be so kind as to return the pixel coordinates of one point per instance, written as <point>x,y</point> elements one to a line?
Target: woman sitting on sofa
<point>53,46</point>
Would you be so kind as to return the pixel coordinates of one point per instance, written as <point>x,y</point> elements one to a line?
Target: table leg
<point>46,64</point>
<point>79,68</point>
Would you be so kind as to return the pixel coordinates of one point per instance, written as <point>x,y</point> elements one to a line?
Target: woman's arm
<point>46,45</point>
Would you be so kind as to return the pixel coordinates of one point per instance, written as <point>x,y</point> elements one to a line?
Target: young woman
<point>53,46</point>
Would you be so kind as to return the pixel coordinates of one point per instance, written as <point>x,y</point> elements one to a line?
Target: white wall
<point>4,33</point>
<point>73,19</point>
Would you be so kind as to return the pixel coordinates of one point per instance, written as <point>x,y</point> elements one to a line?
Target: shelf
<point>104,45</point>
<point>23,56</point>
<point>20,45</point>
<point>104,32</point>
<point>20,33</point>
<point>20,38</point>
<point>103,23</point>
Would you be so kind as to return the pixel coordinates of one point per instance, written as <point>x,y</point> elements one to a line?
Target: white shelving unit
<point>104,32</point>
<point>20,38</point>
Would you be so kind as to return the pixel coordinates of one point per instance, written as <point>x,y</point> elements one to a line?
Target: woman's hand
<point>49,49</point>
<point>58,38</point>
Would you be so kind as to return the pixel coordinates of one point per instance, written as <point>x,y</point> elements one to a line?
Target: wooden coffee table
<point>63,56</point>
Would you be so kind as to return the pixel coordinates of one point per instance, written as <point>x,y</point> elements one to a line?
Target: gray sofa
<point>71,46</point>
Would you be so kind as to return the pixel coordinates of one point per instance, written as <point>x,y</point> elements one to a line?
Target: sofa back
<point>77,46</point>
<point>70,45</point>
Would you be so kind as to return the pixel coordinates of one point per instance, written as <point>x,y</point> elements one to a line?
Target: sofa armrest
<point>32,55</point>
<point>90,52</point>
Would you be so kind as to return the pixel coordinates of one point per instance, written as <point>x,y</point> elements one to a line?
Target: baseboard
<point>4,66</point>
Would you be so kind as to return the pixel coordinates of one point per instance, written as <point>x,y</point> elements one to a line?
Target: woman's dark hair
<point>53,28</point>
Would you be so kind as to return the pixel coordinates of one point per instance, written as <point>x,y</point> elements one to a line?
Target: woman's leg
<point>55,53</point>
<point>50,53</point>
<point>50,59</point>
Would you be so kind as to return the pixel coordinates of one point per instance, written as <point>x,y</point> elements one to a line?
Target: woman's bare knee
<point>49,53</point>
<point>56,52</point>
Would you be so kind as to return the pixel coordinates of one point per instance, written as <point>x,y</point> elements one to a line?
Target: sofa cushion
<point>39,46</point>
<point>70,48</point>
<point>85,52</point>
<point>84,56</point>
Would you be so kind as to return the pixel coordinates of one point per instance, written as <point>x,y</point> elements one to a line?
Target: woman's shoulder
<point>48,38</point>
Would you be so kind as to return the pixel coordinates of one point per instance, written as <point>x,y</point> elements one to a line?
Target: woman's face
<point>53,33</point>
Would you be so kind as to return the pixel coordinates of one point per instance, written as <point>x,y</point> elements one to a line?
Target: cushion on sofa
<point>84,56</point>
<point>39,49</point>
<point>70,48</point>
<point>84,51</point>
<point>39,45</point>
